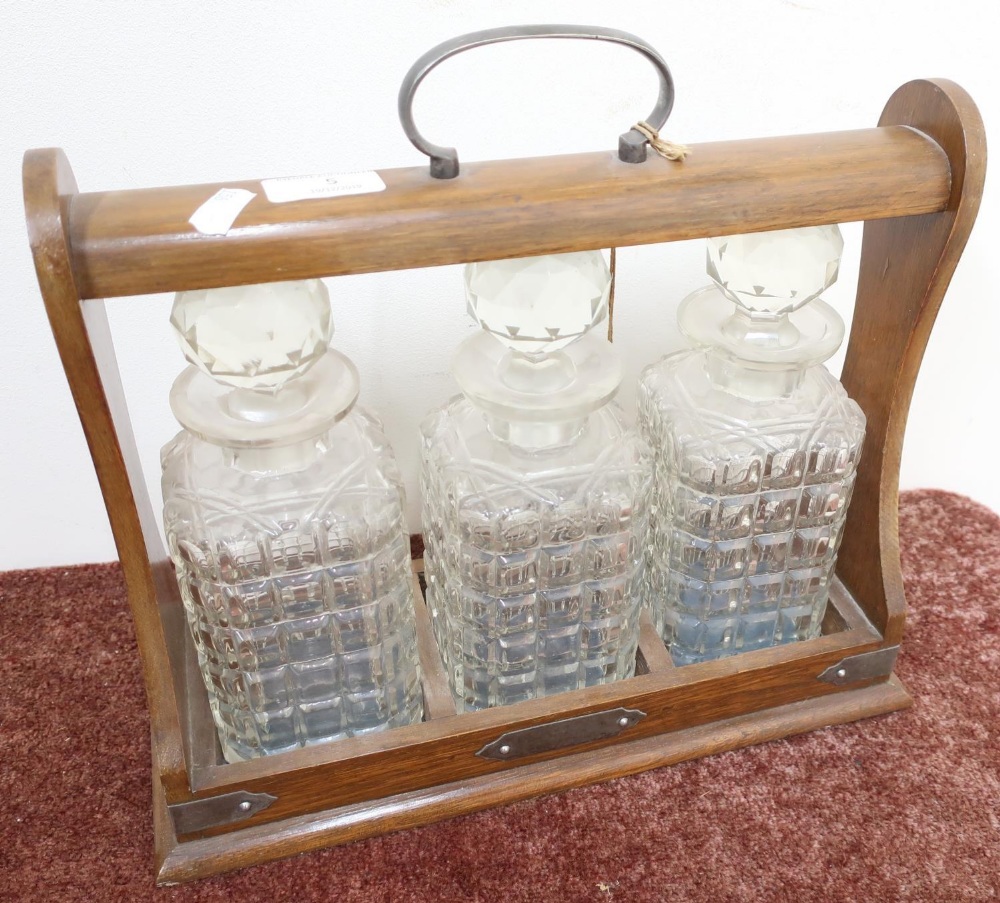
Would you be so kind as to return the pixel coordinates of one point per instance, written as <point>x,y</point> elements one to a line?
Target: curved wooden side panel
<point>84,341</point>
<point>906,266</point>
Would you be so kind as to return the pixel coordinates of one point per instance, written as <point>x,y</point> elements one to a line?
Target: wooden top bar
<point>139,241</point>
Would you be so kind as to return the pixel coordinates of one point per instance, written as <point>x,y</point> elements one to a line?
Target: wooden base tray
<point>178,861</point>
<point>342,791</point>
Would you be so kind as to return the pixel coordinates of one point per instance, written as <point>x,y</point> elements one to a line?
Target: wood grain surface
<point>83,340</point>
<point>209,856</point>
<point>140,241</point>
<point>906,265</point>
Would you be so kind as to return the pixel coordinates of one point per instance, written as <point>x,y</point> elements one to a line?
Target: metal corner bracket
<point>864,666</point>
<point>215,811</point>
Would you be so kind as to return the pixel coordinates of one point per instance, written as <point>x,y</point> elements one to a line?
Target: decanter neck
<point>535,436</point>
<point>276,459</point>
<point>752,380</point>
<point>740,370</point>
<point>757,332</point>
<point>537,403</point>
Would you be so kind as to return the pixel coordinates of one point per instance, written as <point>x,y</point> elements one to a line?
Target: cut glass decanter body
<point>534,492</point>
<point>283,511</point>
<point>756,446</point>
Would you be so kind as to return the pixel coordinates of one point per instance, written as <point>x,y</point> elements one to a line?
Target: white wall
<point>181,92</point>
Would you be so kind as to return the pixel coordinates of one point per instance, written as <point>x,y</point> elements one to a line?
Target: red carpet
<point>904,807</point>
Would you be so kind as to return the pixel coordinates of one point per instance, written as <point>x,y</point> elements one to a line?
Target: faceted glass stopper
<point>254,336</point>
<point>776,272</point>
<point>539,304</point>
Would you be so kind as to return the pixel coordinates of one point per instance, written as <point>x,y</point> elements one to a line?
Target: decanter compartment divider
<point>652,655</point>
<point>438,701</point>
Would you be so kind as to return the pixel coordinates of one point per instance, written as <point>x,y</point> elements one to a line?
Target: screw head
<point>623,722</point>
<point>842,672</point>
<point>245,806</point>
<point>504,750</point>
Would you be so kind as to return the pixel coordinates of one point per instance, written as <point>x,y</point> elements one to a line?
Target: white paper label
<point>217,215</point>
<point>324,185</point>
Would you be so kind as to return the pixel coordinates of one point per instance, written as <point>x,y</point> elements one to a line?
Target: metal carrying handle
<point>444,160</point>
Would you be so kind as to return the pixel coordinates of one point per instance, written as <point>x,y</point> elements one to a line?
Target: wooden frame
<point>916,179</point>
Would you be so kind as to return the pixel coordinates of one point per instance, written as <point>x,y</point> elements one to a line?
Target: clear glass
<point>776,272</point>
<point>533,554</point>
<point>539,304</point>
<point>283,512</point>
<point>293,563</point>
<point>749,505</point>
<point>534,491</point>
<point>756,446</point>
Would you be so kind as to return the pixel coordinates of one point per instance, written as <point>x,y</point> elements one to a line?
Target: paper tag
<point>217,215</point>
<point>324,185</point>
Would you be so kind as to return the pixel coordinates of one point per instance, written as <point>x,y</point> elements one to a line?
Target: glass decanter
<point>283,512</point>
<point>534,491</point>
<point>756,446</point>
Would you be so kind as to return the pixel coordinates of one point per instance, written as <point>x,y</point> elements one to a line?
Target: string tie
<point>666,149</point>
